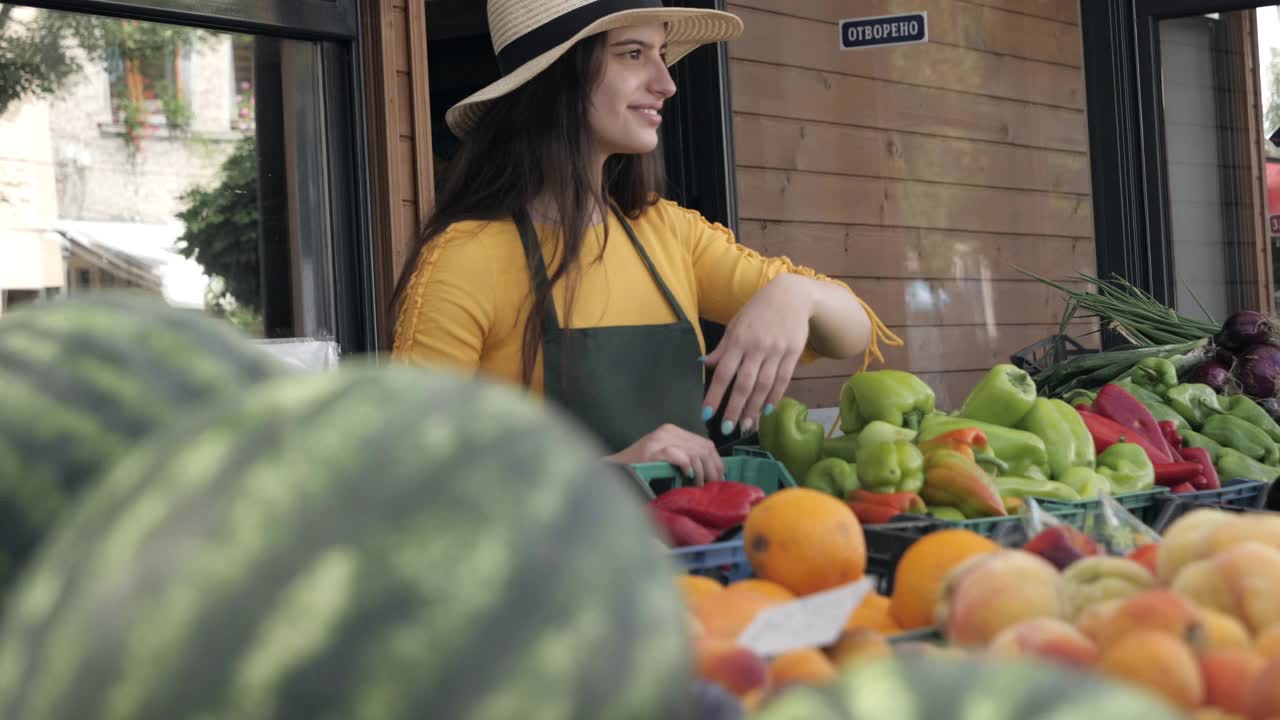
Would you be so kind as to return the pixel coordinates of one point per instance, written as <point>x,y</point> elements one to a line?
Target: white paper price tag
<point>812,621</point>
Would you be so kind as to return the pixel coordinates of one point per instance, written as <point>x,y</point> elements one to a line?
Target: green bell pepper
<point>1023,452</point>
<point>844,447</point>
<point>1251,412</point>
<point>896,466</point>
<point>1232,464</point>
<point>1194,401</point>
<point>1127,467</point>
<point>1191,438</point>
<point>1080,396</point>
<point>1087,483</point>
<point>1002,397</point>
<point>1230,431</point>
<point>946,512</point>
<point>877,432</point>
<point>833,476</point>
<point>1154,403</point>
<point>792,439</point>
<point>1010,486</point>
<point>1155,374</point>
<point>896,397</point>
<point>1067,441</point>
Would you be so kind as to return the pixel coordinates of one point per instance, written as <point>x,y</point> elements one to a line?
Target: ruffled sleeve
<point>728,274</point>
<point>448,306</point>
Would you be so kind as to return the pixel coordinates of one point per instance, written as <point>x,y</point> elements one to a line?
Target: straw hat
<point>529,35</point>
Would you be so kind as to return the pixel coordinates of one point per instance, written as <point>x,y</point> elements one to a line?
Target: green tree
<point>222,231</point>
<point>37,55</point>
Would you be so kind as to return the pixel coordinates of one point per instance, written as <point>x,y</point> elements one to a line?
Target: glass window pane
<point>184,162</point>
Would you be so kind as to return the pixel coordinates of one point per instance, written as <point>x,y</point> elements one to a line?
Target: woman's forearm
<point>838,326</point>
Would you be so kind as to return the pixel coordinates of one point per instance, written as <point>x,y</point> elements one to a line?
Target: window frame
<point>336,198</point>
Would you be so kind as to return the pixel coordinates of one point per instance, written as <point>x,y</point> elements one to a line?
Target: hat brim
<point>687,29</point>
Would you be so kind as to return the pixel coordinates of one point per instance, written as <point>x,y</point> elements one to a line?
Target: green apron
<point>625,380</point>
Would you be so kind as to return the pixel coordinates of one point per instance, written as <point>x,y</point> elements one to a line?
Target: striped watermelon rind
<point>369,543</point>
<point>84,379</point>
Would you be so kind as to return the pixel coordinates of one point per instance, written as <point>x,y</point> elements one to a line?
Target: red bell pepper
<point>1208,479</point>
<point>1116,403</point>
<point>873,507</point>
<point>1170,474</point>
<point>716,505</point>
<point>1182,488</point>
<point>1107,432</point>
<point>1170,432</point>
<point>681,530</point>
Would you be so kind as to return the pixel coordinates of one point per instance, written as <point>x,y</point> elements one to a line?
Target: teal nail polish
<point>693,474</point>
<point>726,427</point>
<point>702,358</point>
<point>768,409</point>
<point>707,412</point>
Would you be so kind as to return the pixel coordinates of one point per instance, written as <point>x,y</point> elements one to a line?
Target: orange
<point>1268,642</point>
<point>726,614</point>
<point>808,667</point>
<point>768,588</point>
<point>805,540</point>
<point>917,582</point>
<point>693,587</point>
<point>873,614</point>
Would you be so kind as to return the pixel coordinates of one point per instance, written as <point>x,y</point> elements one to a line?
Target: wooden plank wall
<point>919,174</point>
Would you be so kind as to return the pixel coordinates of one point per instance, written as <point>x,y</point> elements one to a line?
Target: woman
<point>551,218</point>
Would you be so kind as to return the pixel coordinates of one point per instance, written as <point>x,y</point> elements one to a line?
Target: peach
<point>1242,581</point>
<point>859,645</point>
<point>1049,638</point>
<point>1159,610</point>
<point>1145,555</point>
<point>1223,632</point>
<point>1247,527</point>
<point>733,667</point>
<point>995,591</point>
<point>1186,540</point>
<point>1157,661</point>
<point>1264,693</point>
<point>1268,642</point>
<point>1228,678</point>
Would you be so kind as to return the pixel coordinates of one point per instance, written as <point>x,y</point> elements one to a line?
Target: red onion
<point>1212,373</point>
<point>1258,370</point>
<point>1242,330</point>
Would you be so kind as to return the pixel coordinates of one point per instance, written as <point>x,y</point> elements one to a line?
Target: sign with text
<point>884,30</point>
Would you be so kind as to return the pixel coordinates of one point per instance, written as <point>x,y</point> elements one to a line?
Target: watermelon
<point>82,380</point>
<point>371,543</point>
<point>934,686</point>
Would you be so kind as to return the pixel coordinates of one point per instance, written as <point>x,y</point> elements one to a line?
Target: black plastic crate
<point>1044,354</point>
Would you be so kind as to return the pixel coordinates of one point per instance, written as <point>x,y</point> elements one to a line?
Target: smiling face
<point>626,103</point>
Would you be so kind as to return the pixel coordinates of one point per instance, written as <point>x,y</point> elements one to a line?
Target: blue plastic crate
<point>725,561</point>
<point>1239,492</point>
<point>1143,505</point>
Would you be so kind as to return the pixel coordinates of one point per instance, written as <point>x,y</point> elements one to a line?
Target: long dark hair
<point>536,140</point>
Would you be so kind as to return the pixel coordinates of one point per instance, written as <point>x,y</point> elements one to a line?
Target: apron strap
<point>538,267</point>
<point>666,292</point>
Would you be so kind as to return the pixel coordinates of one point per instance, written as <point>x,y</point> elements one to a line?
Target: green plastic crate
<point>746,465</point>
<point>1144,505</point>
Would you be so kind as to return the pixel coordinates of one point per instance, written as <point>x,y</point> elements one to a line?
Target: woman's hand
<point>765,340</point>
<point>759,351</point>
<point>693,454</point>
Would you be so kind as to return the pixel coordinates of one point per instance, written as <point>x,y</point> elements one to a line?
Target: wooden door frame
<point>398,112</point>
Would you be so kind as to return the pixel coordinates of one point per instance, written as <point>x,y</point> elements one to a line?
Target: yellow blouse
<point>467,300</point>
